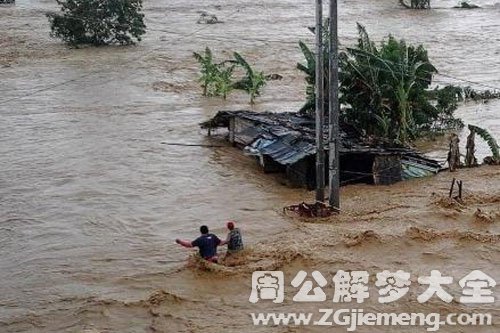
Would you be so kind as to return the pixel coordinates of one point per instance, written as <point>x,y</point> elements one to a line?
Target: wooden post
<point>333,110</point>
<point>452,186</point>
<point>320,105</point>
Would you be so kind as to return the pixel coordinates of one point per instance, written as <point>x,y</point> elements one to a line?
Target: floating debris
<point>206,18</point>
<point>274,77</point>
<point>314,210</point>
<point>466,5</point>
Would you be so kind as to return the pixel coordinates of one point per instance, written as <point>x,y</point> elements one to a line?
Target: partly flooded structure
<point>285,143</point>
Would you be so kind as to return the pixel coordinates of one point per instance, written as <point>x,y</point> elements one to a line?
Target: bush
<point>98,22</point>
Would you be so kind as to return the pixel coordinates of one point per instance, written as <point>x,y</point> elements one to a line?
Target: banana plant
<point>490,140</point>
<point>309,69</point>
<point>209,71</point>
<point>223,80</point>
<point>252,82</point>
<point>384,90</point>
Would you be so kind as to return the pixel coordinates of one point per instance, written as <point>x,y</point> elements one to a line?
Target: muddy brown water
<point>91,200</point>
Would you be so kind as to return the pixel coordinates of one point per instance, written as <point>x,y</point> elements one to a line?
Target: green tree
<point>98,22</point>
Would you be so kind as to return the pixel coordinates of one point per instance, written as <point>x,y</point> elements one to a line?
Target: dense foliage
<point>384,90</point>
<point>98,22</point>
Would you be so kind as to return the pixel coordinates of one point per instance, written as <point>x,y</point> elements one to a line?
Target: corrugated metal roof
<point>286,152</point>
<point>288,137</point>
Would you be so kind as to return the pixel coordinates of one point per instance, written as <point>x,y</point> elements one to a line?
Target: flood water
<point>91,197</point>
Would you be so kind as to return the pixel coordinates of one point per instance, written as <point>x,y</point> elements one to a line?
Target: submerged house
<point>285,143</point>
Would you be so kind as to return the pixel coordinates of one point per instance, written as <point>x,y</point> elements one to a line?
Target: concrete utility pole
<point>333,111</point>
<point>320,105</point>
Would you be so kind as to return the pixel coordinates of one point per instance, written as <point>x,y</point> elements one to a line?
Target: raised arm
<point>184,243</point>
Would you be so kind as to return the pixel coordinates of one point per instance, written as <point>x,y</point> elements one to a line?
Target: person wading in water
<point>234,240</point>
<point>207,244</point>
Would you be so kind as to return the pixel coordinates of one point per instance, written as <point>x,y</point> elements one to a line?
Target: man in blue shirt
<point>207,244</point>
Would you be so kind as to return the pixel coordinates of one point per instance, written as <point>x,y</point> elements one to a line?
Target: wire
<point>47,88</point>
<point>212,38</point>
<point>192,145</point>
<point>37,91</point>
<point>471,82</point>
<point>231,39</point>
<point>266,41</point>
